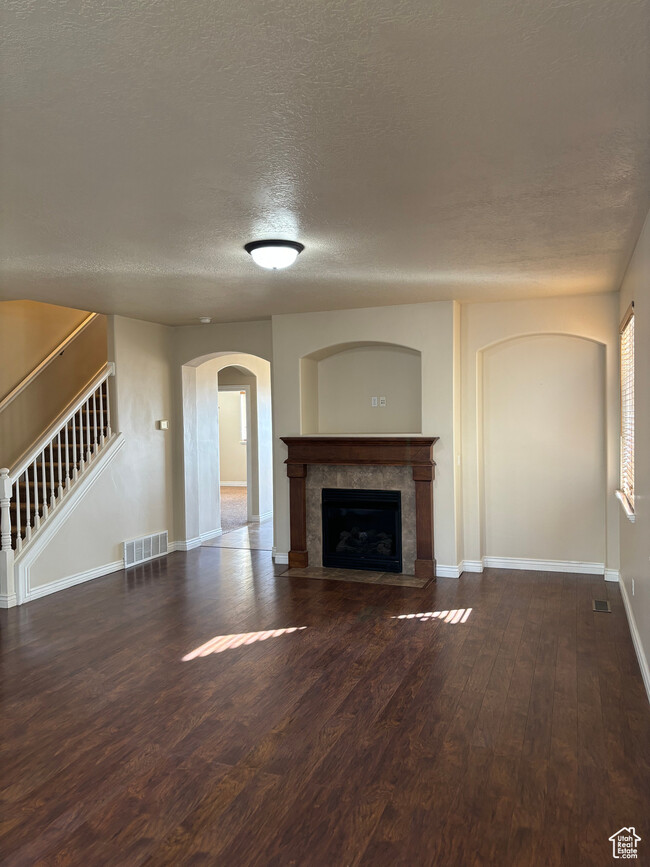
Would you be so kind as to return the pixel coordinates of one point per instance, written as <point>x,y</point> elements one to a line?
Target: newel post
<point>7,591</point>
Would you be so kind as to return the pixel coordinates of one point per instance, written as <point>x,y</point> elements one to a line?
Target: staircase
<point>38,484</point>
<point>42,485</point>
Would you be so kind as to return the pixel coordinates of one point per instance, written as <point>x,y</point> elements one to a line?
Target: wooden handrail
<point>62,419</point>
<point>22,385</point>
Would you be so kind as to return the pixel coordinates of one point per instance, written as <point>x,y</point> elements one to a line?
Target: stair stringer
<point>48,529</point>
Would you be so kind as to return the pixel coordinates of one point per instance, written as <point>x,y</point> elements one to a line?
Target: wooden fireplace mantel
<point>416,452</point>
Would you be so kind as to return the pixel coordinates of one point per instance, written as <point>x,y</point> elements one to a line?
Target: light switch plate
<point>163,424</point>
<point>373,401</point>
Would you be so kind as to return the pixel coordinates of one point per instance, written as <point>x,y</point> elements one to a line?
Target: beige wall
<point>193,345</point>
<point>139,491</point>
<point>487,325</point>
<point>29,331</point>
<point>200,446</point>
<point>232,451</point>
<point>30,414</point>
<point>635,538</point>
<point>134,496</point>
<point>426,328</point>
<point>347,380</point>
<point>543,431</point>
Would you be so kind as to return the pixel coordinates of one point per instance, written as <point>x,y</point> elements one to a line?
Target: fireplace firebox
<point>362,529</point>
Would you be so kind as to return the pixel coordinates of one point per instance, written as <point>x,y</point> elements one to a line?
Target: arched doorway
<point>246,380</point>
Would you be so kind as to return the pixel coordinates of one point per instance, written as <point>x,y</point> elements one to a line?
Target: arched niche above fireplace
<point>338,384</point>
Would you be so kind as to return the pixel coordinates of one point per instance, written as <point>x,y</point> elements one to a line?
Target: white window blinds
<point>627,409</point>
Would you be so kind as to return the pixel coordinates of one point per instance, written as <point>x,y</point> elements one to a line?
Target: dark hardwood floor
<point>515,734</point>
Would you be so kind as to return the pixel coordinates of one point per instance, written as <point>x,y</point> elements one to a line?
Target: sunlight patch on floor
<point>228,642</point>
<point>453,615</point>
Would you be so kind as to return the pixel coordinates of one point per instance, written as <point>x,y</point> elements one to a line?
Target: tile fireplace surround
<point>380,463</point>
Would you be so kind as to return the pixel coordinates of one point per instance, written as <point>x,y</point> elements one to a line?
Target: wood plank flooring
<point>202,710</point>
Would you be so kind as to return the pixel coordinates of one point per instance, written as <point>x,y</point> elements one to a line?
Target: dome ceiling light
<point>274,254</point>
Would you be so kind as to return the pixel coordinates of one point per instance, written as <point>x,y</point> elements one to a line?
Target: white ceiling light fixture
<point>274,254</point>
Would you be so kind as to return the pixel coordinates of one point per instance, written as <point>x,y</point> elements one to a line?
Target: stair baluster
<point>88,433</point>
<point>95,422</point>
<point>52,494</point>
<point>44,484</point>
<point>81,442</point>
<point>60,479</point>
<point>19,535</point>
<point>28,508</point>
<point>101,415</point>
<point>67,458</point>
<point>37,485</point>
<point>37,516</point>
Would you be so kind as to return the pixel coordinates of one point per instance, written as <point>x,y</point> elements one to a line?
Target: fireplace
<point>368,456</point>
<point>362,529</point>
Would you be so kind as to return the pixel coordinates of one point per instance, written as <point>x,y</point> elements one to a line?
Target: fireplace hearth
<point>362,529</point>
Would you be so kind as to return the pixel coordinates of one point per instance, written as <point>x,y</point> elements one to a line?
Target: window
<point>626,493</point>
<point>242,416</point>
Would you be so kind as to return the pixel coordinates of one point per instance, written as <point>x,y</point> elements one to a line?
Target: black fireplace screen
<point>362,529</point>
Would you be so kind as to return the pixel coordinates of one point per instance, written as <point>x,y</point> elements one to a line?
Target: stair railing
<point>59,350</point>
<point>36,485</point>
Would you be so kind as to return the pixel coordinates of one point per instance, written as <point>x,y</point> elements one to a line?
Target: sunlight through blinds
<point>627,408</point>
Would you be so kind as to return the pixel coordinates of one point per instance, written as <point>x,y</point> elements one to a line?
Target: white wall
<point>347,381</point>
<point>192,346</point>
<point>200,455</point>
<point>544,449</point>
<point>204,482</point>
<point>134,495</point>
<point>232,451</point>
<point>256,374</point>
<point>486,325</point>
<point>426,328</point>
<point>635,538</point>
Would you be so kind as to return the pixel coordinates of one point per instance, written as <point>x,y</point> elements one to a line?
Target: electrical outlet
<point>382,401</point>
<point>373,401</point>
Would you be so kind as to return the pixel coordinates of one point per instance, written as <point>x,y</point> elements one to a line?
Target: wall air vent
<point>143,549</point>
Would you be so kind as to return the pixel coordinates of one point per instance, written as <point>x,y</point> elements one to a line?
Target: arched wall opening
<point>364,387</point>
<point>543,450</point>
<point>201,379</point>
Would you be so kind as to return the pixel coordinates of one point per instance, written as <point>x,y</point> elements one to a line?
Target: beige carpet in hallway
<point>234,510</point>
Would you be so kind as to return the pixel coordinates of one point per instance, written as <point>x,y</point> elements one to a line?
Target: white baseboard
<point>447,571</point>
<point>72,580</point>
<point>575,566</point>
<point>281,558</point>
<point>212,534</point>
<point>8,600</point>
<point>233,484</point>
<point>544,565</point>
<point>257,519</point>
<point>185,544</point>
<point>471,566</point>
<point>636,639</point>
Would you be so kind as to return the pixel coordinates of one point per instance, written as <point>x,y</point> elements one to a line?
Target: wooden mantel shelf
<point>416,452</point>
<point>376,451</point>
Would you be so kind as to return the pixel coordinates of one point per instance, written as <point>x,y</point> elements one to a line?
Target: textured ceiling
<point>420,150</point>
